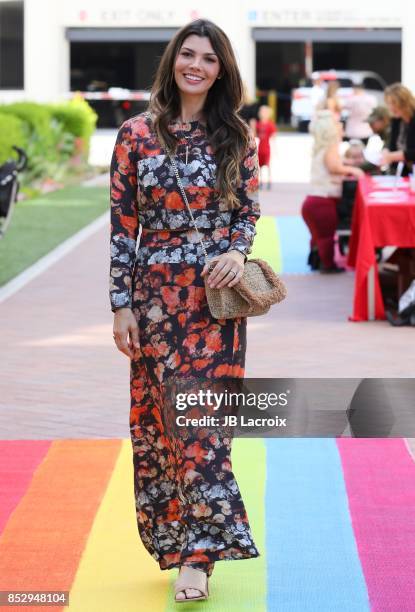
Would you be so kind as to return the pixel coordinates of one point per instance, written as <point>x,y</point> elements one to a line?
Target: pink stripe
<point>18,461</point>
<point>380,483</point>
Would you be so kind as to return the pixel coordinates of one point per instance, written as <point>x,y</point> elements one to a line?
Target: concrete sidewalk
<point>62,377</point>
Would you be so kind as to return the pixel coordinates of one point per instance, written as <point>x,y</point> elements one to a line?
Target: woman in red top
<point>265,128</point>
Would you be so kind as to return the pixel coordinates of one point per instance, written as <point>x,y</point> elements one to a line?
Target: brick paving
<point>62,377</point>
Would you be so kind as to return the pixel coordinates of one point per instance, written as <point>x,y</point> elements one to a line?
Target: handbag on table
<point>257,290</point>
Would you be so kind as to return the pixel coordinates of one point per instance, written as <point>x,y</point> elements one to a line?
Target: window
<point>372,83</point>
<point>11,45</point>
<point>345,82</point>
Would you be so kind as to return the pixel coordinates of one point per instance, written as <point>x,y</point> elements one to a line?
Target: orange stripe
<point>45,536</point>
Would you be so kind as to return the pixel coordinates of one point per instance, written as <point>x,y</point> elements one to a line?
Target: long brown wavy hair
<point>228,134</point>
<point>403,97</point>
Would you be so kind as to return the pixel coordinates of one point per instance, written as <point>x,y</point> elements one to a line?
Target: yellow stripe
<point>267,243</point>
<point>115,571</point>
<point>240,585</point>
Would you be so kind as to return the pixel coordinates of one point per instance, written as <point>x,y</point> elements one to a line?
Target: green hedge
<point>77,118</point>
<point>12,132</point>
<point>56,137</point>
<point>37,118</point>
<point>74,116</point>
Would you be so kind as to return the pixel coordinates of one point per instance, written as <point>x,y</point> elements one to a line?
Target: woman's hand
<point>227,271</point>
<point>125,332</point>
<point>388,157</point>
<point>335,165</point>
<point>354,171</point>
<point>385,159</point>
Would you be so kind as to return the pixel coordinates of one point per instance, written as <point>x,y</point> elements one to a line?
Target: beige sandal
<point>191,579</point>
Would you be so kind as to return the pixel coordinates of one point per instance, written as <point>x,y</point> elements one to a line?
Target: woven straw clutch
<point>253,295</point>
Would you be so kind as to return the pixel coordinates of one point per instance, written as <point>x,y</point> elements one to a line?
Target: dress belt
<point>187,229</point>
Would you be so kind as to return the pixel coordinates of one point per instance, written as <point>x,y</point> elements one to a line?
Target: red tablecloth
<point>381,217</point>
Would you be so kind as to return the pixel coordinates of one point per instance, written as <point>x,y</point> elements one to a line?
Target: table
<point>382,216</point>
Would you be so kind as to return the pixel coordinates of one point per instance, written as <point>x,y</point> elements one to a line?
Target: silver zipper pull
<point>187,153</point>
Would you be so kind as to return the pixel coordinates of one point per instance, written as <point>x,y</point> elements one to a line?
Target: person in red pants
<point>265,129</point>
<point>327,172</point>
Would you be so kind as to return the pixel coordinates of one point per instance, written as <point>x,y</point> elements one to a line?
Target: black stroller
<point>9,187</point>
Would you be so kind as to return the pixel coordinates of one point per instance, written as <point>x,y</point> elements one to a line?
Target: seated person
<point>354,154</point>
<point>327,172</point>
<point>380,122</point>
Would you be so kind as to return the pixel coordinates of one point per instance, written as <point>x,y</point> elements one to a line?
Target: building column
<point>245,50</point>
<point>233,21</point>
<point>46,51</point>
<point>408,47</point>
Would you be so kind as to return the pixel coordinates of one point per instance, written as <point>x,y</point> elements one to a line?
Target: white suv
<point>302,104</point>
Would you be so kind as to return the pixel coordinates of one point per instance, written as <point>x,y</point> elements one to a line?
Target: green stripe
<point>267,243</point>
<point>240,585</point>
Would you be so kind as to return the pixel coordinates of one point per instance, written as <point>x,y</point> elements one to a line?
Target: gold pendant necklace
<point>188,138</point>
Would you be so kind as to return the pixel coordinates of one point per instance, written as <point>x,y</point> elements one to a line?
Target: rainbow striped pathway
<point>334,520</point>
<point>284,243</point>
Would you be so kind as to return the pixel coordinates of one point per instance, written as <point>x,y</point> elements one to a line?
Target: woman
<point>327,171</point>
<point>265,130</point>
<point>359,107</point>
<point>189,508</point>
<point>331,101</point>
<point>401,104</point>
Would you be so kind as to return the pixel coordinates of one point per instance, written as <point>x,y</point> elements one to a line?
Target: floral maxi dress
<point>188,505</point>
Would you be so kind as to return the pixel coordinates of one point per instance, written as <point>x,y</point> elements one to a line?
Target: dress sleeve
<point>124,217</point>
<point>244,218</point>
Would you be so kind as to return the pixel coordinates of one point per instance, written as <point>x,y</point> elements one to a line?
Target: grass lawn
<point>39,225</point>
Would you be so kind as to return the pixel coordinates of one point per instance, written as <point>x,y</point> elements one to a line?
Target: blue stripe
<point>295,244</point>
<point>313,562</point>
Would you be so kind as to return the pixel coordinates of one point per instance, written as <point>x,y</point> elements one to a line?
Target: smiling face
<point>197,66</point>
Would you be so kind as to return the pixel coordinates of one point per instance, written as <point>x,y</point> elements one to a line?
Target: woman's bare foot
<point>191,585</point>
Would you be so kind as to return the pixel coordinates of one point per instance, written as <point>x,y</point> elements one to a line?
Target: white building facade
<point>52,27</point>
